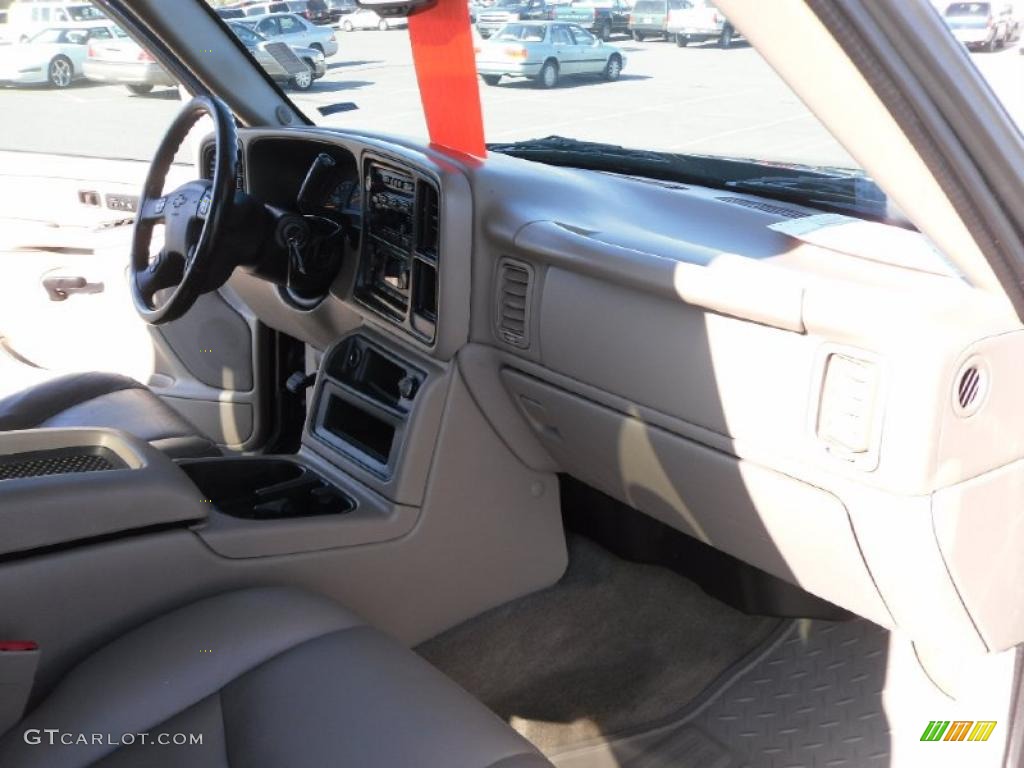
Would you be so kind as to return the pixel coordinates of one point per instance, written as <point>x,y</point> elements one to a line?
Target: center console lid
<point>59,486</point>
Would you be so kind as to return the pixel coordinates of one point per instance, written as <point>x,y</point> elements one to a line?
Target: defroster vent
<point>515,288</point>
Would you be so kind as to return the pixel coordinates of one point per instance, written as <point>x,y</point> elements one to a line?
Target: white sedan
<point>364,18</point>
<point>55,55</point>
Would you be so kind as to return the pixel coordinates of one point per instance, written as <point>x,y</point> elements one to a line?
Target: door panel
<point>204,364</point>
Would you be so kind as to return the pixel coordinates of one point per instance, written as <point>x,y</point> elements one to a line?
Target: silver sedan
<point>294,30</point>
<point>294,65</point>
<point>546,51</point>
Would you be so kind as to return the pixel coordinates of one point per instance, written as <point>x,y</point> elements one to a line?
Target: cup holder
<point>265,489</point>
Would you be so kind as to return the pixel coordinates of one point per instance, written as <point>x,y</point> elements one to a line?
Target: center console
<point>60,487</point>
<point>363,402</point>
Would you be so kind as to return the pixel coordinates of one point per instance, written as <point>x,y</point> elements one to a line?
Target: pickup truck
<point>602,17</point>
<point>490,20</point>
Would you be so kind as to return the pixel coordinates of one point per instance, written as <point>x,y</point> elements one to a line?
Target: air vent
<point>210,160</point>
<point>757,205</point>
<point>428,220</point>
<point>515,283</point>
<point>970,388</point>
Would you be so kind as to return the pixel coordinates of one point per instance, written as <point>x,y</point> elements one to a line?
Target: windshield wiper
<point>836,190</point>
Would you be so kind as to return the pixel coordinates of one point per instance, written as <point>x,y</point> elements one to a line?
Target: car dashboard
<point>793,405</point>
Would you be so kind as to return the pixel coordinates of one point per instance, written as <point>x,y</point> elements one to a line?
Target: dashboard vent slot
<point>970,388</point>
<point>515,289</point>
<point>757,205</point>
<point>428,220</point>
<point>210,159</point>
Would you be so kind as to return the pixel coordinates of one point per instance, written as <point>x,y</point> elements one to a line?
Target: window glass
<point>290,25</point>
<point>582,37</point>
<point>560,36</point>
<point>268,27</point>
<point>521,32</point>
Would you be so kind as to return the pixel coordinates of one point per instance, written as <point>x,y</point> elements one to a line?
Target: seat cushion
<point>266,678</point>
<point>104,400</point>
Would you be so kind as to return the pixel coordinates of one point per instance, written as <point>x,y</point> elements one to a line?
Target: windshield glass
<point>75,36</point>
<point>660,89</point>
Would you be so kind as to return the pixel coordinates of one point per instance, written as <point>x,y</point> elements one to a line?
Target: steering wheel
<point>194,216</point>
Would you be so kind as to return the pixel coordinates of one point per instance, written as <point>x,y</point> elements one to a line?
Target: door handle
<point>60,288</point>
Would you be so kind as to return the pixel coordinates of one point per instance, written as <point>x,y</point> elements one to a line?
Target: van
<point>27,17</point>
<point>650,17</point>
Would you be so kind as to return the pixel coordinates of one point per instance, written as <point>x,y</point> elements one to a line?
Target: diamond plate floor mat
<point>812,699</point>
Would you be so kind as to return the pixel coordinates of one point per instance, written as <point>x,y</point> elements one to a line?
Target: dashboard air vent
<point>757,205</point>
<point>210,160</point>
<point>515,287</point>
<point>970,388</point>
<point>428,220</point>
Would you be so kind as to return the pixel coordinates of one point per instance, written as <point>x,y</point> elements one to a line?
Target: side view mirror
<point>395,7</point>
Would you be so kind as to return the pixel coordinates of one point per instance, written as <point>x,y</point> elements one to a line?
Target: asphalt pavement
<point>697,99</point>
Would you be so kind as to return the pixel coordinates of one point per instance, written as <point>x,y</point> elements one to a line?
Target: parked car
<point>650,17</point>
<point>364,18</point>
<point>122,60</point>
<point>282,65</point>
<point>493,18</point>
<point>294,30</point>
<point>602,17</point>
<point>315,11</point>
<point>982,25</point>
<point>55,55</point>
<point>25,19</point>
<point>699,21</point>
<point>339,8</point>
<point>546,51</point>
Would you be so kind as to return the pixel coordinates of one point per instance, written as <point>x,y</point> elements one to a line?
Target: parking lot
<point>699,99</point>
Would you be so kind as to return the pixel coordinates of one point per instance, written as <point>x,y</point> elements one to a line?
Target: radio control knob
<point>407,387</point>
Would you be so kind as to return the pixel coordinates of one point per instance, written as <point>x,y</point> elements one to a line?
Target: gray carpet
<point>613,648</point>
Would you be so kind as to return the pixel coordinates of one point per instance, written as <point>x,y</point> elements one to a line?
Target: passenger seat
<point>267,677</point>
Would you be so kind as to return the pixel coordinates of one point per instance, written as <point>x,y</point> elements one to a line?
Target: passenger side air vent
<point>757,205</point>
<point>427,237</point>
<point>515,289</point>
<point>970,388</point>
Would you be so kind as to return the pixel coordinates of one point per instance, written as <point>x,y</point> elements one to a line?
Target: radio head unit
<point>399,259</point>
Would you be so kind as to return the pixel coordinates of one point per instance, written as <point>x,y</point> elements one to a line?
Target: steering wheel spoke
<point>152,211</point>
<point>165,271</point>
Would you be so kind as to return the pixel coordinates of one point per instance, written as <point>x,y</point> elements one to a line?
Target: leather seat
<point>104,400</point>
<point>268,677</point>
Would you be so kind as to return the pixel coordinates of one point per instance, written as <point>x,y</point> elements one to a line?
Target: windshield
<point>648,90</point>
<point>72,36</point>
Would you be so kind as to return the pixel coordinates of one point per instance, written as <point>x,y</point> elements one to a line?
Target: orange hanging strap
<point>442,50</point>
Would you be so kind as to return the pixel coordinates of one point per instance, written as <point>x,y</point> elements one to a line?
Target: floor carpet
<point>614,648</point>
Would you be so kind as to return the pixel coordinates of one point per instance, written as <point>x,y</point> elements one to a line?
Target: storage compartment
<point>372,372</point>
<point>359,428</point>
<point>265,489</point>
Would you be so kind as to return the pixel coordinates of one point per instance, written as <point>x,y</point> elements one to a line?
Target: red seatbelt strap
<point>442,50</point>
